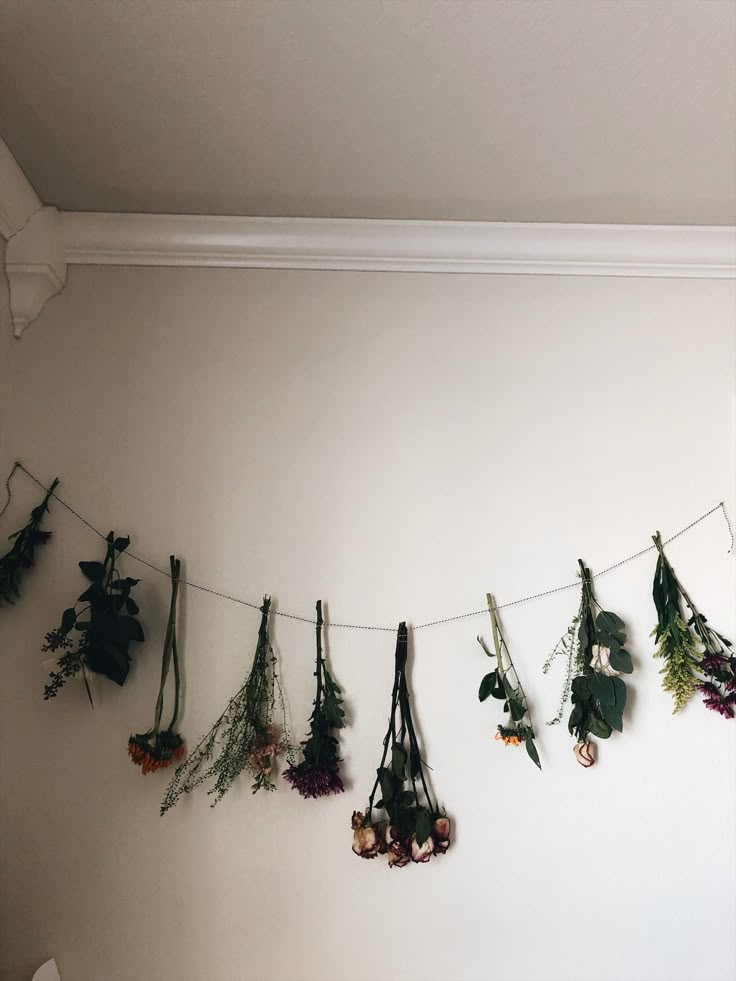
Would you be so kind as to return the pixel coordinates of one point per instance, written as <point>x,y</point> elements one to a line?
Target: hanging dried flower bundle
<point>318,773</point>
<point>104,628</point>
<point>244,737</point>
<point>415,829</point>
<point>596,657</point>
<point>503,683</point>
<point>22,554</point>
<point>696,658</point>
<point>157,748</point>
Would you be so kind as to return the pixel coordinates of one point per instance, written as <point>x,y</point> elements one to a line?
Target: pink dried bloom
<point>423,852</point>
<point>441,835</point>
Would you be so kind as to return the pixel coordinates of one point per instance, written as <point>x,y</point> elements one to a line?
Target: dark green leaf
<point>94,571</point>
<point>398,759</point>
<point>532,751</point>
<point>486,686</point>
<point>388,784</point>
<point>121,544</point>
<point>600,728</point>
<point>621,661</point>
<point>517,709</point>
<point>68,619</point>
<point>609,622</point>
<point>424,825</point>
<point>602,688</point>
<point>581,685</point>
<point>613,716</point>
<point>619,688</point>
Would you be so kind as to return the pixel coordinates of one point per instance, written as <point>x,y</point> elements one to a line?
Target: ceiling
<point>508,110</point>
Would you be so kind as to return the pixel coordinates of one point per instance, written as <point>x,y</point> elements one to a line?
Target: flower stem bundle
<point>503,683</point>
<point>596,658</point>
<point>156,749</point>
<point>318,773</point>
<point>415,829</point>
<point>104,628</point>
<point>22,554</point>
<point>244,737</point>
<point>696,657</point>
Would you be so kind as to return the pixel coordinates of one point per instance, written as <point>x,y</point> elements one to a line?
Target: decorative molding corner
<point>35,266</point>
<point>678,251</point>
<point>18,200</point>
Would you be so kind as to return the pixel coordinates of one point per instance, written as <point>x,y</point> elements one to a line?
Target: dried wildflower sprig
<point>503,683</point>
<point>156,749</point>
<point>22,554</point>
<point>696,657</point>
<point>318,774</point>
<point>106,625</point>
<point>415,829</point>
<point>596,657</point>
<point>244,737</point>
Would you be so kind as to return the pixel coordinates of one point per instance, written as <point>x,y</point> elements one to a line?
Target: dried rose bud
<point>584,754</point>
<point>398,856</point>
<point>421,853</point>
<point>441,835</point>
<point>365,842</point>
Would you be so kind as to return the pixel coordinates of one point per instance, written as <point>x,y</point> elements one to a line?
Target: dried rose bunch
<point>156,749</point>
<point>318,774</point>
<point>596,657</point>
<point>414,829</point>
<point>696,657</point>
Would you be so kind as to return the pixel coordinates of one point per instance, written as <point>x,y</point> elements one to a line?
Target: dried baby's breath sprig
<point>244,737</point>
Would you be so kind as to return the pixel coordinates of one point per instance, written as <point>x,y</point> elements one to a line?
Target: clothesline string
<point>355,626</point>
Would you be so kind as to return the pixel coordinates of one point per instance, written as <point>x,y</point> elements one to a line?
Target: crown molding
<point>35,267</point>
<point>18,200</point>
<point>400,246</point>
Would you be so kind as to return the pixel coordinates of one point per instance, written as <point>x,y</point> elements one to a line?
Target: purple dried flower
<point>713,700</point>
<point>313,780</point>
<point>713,663</point>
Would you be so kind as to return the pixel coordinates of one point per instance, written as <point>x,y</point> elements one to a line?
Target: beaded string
<point>358,626</point>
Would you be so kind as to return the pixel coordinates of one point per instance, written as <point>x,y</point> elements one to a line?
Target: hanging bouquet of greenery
<point>503,683</point>
<point>415,829</point>
<point>22,554</point>
<point>244,737</point>
<point>318,773</point>
<point>98,636</point>
<point>156,749</point>
<point>696,658</point>
<point>596,656</point>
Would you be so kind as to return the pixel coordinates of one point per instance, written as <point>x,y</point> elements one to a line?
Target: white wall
<point>396,445</point>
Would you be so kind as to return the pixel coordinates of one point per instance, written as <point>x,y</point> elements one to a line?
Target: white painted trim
<point>35,267</point>
<point>18,200</point>
<point>400,246</point>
